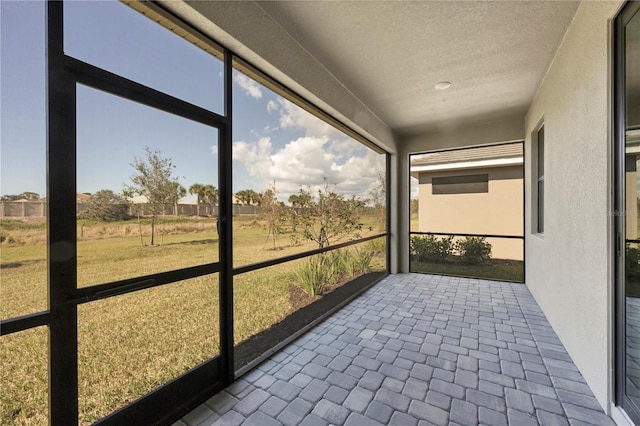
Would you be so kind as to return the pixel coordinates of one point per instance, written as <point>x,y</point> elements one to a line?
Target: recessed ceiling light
<point>443,85</point>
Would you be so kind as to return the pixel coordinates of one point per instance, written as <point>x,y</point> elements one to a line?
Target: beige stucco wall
<point>508,129</point>
<point>569,269</point>
<point>497,212</point>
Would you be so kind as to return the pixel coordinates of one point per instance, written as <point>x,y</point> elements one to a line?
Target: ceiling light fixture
<point>443,85</point>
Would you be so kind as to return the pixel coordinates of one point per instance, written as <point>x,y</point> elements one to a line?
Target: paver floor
<point>417,350</point>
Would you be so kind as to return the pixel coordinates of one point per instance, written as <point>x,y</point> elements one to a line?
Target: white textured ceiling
<point>390,54</point>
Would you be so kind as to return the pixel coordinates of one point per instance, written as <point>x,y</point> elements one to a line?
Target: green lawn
<point>506,271</point>
<point>131,344</point>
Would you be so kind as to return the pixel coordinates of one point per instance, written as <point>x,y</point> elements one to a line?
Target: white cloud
<point>305,163</point>
<point>321,153</point>
<point>272,106</point>
<point>249,86</point>
<point>214,149</point>
<point>292,116</point>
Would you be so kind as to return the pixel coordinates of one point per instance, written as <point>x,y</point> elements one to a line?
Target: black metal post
<point>61,229</point>
<point>225,212</point>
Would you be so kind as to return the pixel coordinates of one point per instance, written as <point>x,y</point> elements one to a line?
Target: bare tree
<point>379,198</point>
<point>274,213</point>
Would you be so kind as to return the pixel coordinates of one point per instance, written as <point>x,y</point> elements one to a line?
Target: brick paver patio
<point>417,350</point>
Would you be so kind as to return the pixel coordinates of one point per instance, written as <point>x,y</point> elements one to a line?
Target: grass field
<point>131,344</point>
<point>494,270</point>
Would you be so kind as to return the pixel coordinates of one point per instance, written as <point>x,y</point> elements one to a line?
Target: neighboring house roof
<point>140,199</point>
<point>81,198</point>
<point>468,158</point>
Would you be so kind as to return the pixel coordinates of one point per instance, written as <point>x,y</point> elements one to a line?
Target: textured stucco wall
<point>472,134</point>
<point>496,212</point>
<point>568,268</point>
<point>468,134</point>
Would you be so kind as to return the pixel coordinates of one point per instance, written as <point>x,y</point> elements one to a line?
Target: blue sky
<point>273,139</point>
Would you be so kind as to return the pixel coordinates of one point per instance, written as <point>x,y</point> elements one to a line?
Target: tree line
<point>29,196</point>
<point>323,216</point>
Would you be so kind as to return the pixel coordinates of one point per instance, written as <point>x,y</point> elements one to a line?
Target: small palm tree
<point>179,191</point>
<point>210,196</point>
<point>207,194</point>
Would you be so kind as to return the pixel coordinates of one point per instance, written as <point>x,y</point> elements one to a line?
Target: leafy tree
<point>299,203</point>
<point>330,217</point>
<point>105,205</point>
<point>29,196</point>
<point>249,196</point>
<point>255,197</point>
<point>210,196</point>
<point>301,200</point>
<point>242,196</point>
<point>153,179</point>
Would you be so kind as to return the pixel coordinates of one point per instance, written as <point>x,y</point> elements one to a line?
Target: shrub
<point>431,249</point>
<point>319,272</point>
<point>418,247</point>
<point>377,246</point>
<point>362,260</point>
<point>105,205</point>
<point>334,265</point>
<point>349,263</point>
<point>473,250</point>
<point>311,276</point>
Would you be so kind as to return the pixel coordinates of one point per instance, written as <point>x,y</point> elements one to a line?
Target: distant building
<point>473,191</point>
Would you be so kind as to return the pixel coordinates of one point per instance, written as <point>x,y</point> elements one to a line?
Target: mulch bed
<point>305,309</point>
